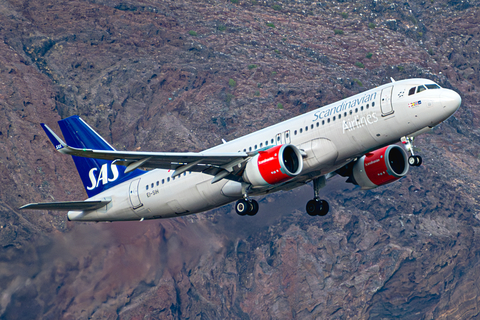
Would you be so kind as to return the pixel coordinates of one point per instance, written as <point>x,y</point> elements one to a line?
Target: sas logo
<point>415,104</point>
<point>102,176</point>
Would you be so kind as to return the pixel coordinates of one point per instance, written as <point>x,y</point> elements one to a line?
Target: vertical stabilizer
<point>97,175</point>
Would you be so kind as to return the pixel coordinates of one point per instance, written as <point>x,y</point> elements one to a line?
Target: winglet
<point>56,141</point>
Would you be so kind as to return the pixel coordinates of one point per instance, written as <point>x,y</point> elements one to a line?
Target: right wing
<point>220,165</point>
<point>68,205</point>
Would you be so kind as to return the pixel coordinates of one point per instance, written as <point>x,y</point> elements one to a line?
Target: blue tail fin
<point>97,175</point>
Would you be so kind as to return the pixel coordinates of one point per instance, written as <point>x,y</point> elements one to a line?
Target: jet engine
<point>275,165</point>
<point>380,167</point>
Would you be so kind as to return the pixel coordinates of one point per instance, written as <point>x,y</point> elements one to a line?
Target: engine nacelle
<point>275,165</point>
<point>380,167</point>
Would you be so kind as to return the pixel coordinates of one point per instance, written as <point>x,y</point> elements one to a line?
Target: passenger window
<point>147,186</point>
<point>261,144</point>
<point>271,141</point>
<point>361,108</point>
<point>420,89</point>
<point>168,179</point>
<point>266,143</point>
<point>306,128</point>
<point>318,124</point>
<point>356,110</point>
<point>351,112</point>
<point>333,118</point>
<point>163,181</point>
<point>311,127</point>
<point>339,116</point>
<point>244,150</point>
<point>158,183</point>
<point>153,185</point>
<point>328,120</point>
<point>373,104</point>
<point>301,130</point>
<point>323,122</point>
<point>286,135</point>
<point>345,114</point>
<point>411,91</point>
<point>255,147</point>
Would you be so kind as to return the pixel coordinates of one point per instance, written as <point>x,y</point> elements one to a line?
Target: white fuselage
<point>331,137</point>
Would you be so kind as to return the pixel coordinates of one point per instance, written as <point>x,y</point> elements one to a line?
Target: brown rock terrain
<point>155,75</point>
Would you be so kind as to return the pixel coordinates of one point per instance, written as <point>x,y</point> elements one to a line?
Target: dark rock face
<point>155,75</point>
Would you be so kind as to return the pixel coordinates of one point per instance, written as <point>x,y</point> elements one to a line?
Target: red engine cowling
<point>275,165</point>
<point>380,167</point>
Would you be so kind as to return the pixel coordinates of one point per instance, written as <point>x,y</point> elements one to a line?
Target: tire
<point>322,208</point>
<point>242,207</point>
<point>412,161</point>
<point>312,207</point>
<point>253,208</point>
<point>418,161</point>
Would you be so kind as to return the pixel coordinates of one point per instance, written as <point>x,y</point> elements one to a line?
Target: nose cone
<point>450,101</point>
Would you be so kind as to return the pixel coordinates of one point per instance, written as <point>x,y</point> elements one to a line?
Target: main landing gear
<point>316,206</point>
<point>413,160</point>
<point>246,206</point>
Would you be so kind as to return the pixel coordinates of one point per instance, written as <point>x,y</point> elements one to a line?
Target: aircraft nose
<point>450,100</point>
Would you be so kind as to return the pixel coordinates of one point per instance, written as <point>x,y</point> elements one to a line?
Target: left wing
<point>220,165</point>
<point>67,205</point>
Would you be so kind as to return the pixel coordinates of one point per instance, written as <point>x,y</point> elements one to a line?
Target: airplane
<point>354,138</point>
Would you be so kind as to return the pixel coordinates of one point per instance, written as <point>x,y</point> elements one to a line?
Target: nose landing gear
<point>413,160</point>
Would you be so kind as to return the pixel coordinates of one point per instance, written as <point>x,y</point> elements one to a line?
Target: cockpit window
<point>421,88</point>
<point>432,86</point>
<point>412,91</point>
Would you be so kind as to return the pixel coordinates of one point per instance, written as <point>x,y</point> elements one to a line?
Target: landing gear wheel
<point>317,207</point>
<point>253,206</point>
<point>312,207</point>
<point>418,160</point>
<point>412,161</point>
<point>323,208</point>
<point>242,207</point>
<point>415,161</point>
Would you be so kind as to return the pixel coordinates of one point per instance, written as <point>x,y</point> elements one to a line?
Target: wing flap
<point>67,205</point>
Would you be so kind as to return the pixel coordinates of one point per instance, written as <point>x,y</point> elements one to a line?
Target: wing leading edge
<point>220,165</point>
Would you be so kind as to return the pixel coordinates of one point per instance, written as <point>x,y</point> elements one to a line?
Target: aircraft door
<point>134,195</point>
<point>288,139</point>
<point>283,138</point>
<point>278,139</point>
<point>386,101</point>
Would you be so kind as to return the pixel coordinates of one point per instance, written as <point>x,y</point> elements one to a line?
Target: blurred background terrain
<point>182,75</point>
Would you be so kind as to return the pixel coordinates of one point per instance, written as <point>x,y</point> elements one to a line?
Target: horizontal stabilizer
<point>67,205</point>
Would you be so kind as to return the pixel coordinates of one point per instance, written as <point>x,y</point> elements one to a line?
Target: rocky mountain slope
<point>182,75</point>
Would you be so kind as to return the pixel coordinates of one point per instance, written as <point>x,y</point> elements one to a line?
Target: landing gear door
<point>386,102</point>
<point>134,195</point>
